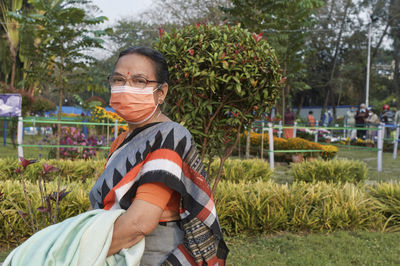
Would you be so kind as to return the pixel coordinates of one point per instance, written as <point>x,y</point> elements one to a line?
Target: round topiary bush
<point>221,78</point>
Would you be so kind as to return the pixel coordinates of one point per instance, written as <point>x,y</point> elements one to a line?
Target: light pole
<point>373,19</point>
<point>368,65</point>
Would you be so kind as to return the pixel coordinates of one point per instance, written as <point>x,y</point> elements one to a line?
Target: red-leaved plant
<point>50,201</point>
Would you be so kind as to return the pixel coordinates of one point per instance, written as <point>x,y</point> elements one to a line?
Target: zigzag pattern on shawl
<point>203,243</point>
<point>162,156</point>
<point>162,162</point>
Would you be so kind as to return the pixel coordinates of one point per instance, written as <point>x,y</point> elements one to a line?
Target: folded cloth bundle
<point>81,240</point>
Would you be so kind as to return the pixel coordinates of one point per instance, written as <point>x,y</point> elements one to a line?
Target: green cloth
<point>81,240</point>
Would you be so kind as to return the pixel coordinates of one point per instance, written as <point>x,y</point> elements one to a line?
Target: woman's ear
<point>162,93</point>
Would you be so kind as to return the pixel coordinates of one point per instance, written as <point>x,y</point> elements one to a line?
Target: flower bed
<point>327,152</point>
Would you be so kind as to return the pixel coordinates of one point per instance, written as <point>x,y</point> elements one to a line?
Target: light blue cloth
<point>81,240</point>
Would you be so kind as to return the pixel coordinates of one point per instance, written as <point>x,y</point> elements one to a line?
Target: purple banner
<point>10,104</point>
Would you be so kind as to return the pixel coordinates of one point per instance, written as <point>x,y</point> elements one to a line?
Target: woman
<point>155,174</point>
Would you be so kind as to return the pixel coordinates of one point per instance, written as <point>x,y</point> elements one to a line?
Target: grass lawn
<point>390,167</point>
<point>339,248</point>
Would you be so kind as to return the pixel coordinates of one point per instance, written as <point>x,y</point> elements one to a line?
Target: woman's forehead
<point>135,64</point>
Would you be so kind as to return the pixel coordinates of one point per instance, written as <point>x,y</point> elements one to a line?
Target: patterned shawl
<point>165,152</point>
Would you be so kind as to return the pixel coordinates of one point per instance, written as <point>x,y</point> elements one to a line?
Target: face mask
<point>134,105</point>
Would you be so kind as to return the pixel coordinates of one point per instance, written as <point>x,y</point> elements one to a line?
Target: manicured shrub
<point>41,105</point>
<point>245,207</point>
<point>77,170</point>
<point>342,170</point>
<point>267,207</point>
<point>99,114</point>
<point>74,203</point>
<point>388,197</point>
<point>328,152</point>
<point>236,170</point>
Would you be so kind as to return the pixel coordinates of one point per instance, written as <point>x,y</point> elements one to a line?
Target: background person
<point>387,117</point>
<point>372,121</point>
<point>361,116</point>
<point>327,118</point>
<point>350,121</point>
<point>311,119</point>
<point>397,117</point>
<point>288,121</point>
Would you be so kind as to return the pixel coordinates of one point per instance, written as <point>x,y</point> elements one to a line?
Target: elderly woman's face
<point>136,65</point>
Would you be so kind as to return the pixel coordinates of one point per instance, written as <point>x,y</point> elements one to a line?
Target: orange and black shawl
<point>165,152</point>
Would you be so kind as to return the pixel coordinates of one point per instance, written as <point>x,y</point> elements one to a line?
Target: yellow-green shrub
<point>328,152</point>
<point>334,170</point>
<point>236,170</point>
<point>248,208</point>
<point>267,207</point>
<point>77,170</point>
<point>74,203</point>
<point>388,197</point>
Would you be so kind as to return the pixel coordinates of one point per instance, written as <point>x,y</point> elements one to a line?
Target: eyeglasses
<point>119,80</point>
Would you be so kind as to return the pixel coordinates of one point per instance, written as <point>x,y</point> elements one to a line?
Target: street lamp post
<point>373,19</point>
<point>368,66</point>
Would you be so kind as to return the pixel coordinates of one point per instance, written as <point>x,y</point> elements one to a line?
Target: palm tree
<point>11,27</point>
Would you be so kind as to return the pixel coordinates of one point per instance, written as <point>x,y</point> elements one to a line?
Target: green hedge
<point>236,170</point>
<point>74,203</point>
<point>250,208</point>
<point>333,171</point>
<point>77,170</point>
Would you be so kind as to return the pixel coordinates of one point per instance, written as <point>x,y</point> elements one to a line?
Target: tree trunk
<point>300,105</point>
<point>60,102</point>
<point>329,92</point>
<point>228,151</point>
<point>13,52</point>
<point>13,70</point>
<point>248,141</point>
<point>396,76</point>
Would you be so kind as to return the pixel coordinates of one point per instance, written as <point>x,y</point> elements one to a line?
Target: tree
<point>336,68</point>
<point>284,24</point>
<point>220,78</point>
<point>185,12</point>
<point>10,26</point>
<point>394,15</point>
<point>63,35</point>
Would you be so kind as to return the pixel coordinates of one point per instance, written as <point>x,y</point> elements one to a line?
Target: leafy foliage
<point>236,170</point>
<point>14,201</point>
<point>74,137</point>
<point>219,75</point>
<point>41,105</point>
<point>282,23</point>
<point>332,171</point>
<point>75,171</point>
<point>249,207</point>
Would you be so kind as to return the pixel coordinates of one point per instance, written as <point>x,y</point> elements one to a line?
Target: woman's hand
<point>139,220</point>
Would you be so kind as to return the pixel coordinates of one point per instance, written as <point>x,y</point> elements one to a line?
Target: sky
<point>116,9</point>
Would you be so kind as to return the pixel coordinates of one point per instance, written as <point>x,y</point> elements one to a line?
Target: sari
<point>165,152</point>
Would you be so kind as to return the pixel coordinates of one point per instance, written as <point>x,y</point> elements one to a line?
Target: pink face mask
<point>134,105</point>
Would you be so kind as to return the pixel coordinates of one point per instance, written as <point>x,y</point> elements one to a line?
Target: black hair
<point>310,112</point>
<point>160,64</point>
